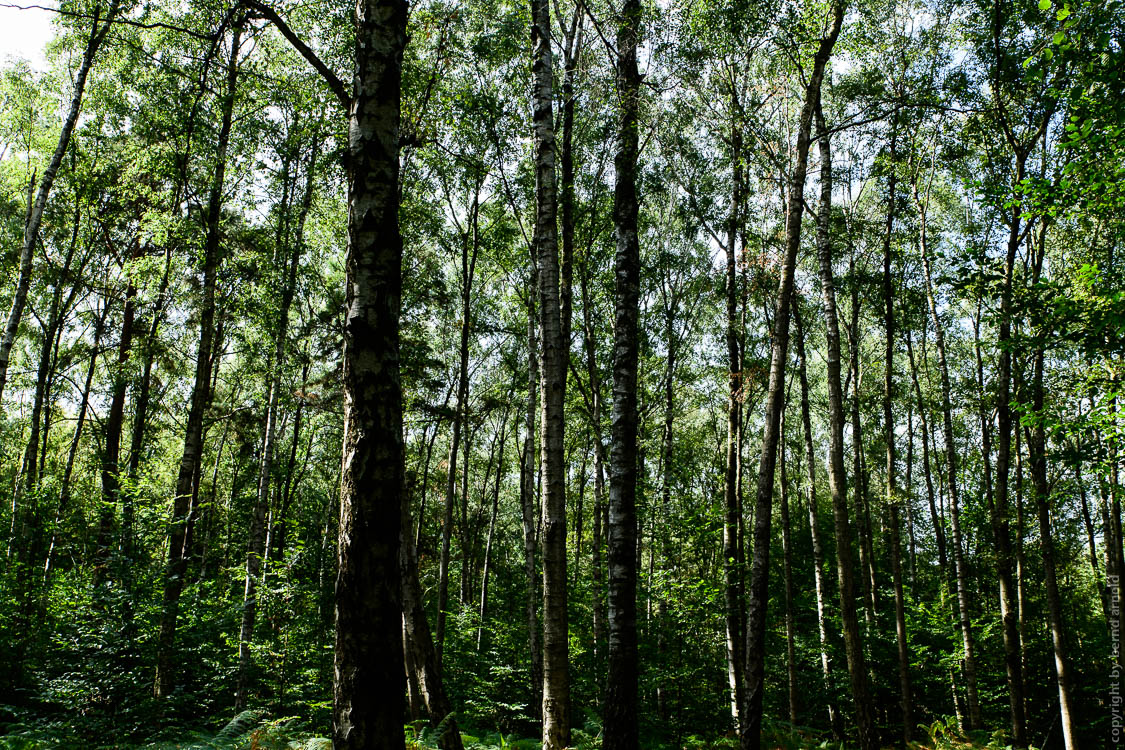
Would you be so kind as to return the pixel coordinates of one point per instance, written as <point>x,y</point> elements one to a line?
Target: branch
<point>334,83</point>
<point>122,21</point>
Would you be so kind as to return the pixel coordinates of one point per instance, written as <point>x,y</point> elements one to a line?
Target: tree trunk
<point>1037,448</point>
<point>963,608</point>
<point>868,585</point>
<point>894,500</point>
<point>75,442</point>
<point>821,580</point>
<point>528,490</point>
<point>26,501</point>
<point>837,478</point>
<point>1115,550</point>
<point>787,573</point>
<point>595,409</point>
<point>486,568</point>
<point>671,298</point>
<point>620,716</point>
<point>909,497</point>
<point>758,590</point>
<point>572,51</point>
<point>468,537</point>
<point>110,471</point>
<point>256,546</point>
<point>556,647</point>
<point>924,422</point>
<point>1023,607</point>
<point>98,31</point>
<point>182,503</point>
<point>732,495</point>
<point>421,655</point>
<point>1001,526</point>
<point>369,682</point>
<point>468,270</point>
<point>1088,522</point>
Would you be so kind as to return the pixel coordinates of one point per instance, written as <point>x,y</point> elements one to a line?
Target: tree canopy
<point>602,374</point>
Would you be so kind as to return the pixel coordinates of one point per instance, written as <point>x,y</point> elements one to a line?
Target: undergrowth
<point>253,730</point>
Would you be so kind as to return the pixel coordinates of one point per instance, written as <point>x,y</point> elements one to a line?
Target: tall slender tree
<point>837,477</point>
<point>758,589</point>
<point>179,540</point>
<point>621,686</point>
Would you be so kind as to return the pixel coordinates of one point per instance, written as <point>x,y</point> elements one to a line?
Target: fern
<point>239,726</point>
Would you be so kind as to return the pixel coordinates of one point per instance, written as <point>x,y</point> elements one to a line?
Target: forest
<point>616,374</point>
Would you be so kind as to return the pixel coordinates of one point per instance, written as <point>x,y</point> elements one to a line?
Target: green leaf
<point>1058,38</point>
<point>1044,4</point>
<point>1062,14</point>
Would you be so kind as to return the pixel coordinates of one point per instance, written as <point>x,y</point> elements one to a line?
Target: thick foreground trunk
<point>369,683</point>
<point>621,686</point>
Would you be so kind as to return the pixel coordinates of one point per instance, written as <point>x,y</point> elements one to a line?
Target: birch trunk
<point>968,643</point>
<point>257,543</point>
<point>837,477</point>
<point>98,31</point>
<point>468,270</point>
<point>732,546</point>
<point>369,683</point>
<point>421,656</point>
<point>820,578</point>
<point>186,481</point>
<point>556,646</point>
<point>620,716</point>
<point>894,500</point>
<point>758,590</point>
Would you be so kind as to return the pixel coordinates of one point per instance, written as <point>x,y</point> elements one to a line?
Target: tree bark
<point>837,478</point>
<point>960,572</point>
<point>468,270</point>
<point>620,715</point>
<point>556,646</point>
<point>528,490</point>
<point>63,506</point>
<point>894,499</point>
<point>732,495</point>
<point>572,51</point>
<point>110,470</point>
<point>595,409</point>
<point>25,500</point>
<point>909,496</point>
<point>868,585</point>
<point>486,568</point>
<point>924,423</point>
<point>140,410</point>
<point>182,502</point>
<point>1037,450</point>
<point>369,682</point>
<point>420,653</point>
<point>1088,522</point>
<point>820,578</point>
<point>670,295</point>
<point>1001,526</point>
<point>256,546</point>
<point>787,574</point>
<point>758,589</point>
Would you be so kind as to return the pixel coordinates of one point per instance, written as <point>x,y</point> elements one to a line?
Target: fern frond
<point>239,725</point>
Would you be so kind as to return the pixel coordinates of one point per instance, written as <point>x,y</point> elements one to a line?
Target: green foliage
<point>953,84</point>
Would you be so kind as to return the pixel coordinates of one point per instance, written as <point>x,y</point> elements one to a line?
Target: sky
<point>24,33</point>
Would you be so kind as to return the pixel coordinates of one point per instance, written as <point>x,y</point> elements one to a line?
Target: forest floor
<point>253,731</point>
